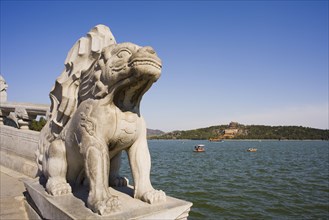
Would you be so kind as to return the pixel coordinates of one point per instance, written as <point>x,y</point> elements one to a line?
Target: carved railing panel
<point>21,114</point>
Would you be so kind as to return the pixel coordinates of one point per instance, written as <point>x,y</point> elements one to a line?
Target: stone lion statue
<point>94,116</point>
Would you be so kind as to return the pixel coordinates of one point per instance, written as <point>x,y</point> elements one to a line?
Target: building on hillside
<point>230,133</point>
<point>232,130</point>
<point>233,125</point>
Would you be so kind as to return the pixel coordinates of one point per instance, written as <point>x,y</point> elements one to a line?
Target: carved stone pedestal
<point>73,206</point>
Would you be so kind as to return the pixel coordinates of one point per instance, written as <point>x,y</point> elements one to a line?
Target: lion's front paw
<point>119,181</point>
<point>57,187</point>
<point>154,196</point>
<point>106,206</point>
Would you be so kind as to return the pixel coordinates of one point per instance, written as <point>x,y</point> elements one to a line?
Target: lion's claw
<point>154,196</point>
<point>106,206</point>
<point>119,181</point>
<point>57,188</point>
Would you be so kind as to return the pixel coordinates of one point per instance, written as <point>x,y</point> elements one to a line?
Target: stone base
<point>73,206</point>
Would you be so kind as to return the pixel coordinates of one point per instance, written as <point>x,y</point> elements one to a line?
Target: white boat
<point>199,148</point>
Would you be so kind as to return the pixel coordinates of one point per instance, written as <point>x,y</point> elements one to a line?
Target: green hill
<point>154,132</point>
<point>249,132</point>
<point>232,131</point>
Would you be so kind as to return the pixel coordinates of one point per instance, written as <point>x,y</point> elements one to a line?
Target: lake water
<point>282,180</point>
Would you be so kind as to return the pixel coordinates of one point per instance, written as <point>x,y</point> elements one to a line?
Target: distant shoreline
<point>153,139</point>
<point>236,131</point>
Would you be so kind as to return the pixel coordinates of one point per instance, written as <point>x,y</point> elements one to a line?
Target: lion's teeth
<point>136,63</point>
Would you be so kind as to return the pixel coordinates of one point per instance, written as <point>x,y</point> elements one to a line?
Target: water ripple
<point>282,180</point>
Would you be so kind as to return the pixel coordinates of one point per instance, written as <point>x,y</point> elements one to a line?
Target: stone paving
<point>11,196</point>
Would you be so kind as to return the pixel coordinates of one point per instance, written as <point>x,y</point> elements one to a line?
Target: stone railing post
<point>1,117</point>
<point>23,118</point>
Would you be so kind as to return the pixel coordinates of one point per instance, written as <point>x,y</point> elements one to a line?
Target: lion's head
<point>128,71</point>
<point>97,67</point>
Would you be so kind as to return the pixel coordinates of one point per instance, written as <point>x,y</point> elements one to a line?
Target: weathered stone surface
<point>17,149</point>
<point>19,164</point>
<point>23,143</point>
<point>11,195</point>
<point>95,115</point>
<point>72,206</point>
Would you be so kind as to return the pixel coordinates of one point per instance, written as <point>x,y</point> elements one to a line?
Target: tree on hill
<point>37,125</point>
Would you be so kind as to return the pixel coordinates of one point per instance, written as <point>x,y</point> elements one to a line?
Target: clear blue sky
<point>255,62</point>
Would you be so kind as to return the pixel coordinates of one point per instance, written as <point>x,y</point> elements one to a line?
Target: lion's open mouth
<point>143,72</point>
<point>148,62</point>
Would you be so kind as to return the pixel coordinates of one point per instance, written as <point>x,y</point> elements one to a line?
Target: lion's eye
<point>123,53</point>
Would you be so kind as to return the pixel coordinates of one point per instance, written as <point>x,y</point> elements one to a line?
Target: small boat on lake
<point>216,140</point>
<point>199,148</point>
<point>252,149</point>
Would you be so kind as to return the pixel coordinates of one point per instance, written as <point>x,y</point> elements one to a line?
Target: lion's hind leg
<point>115,179</point>
<point>57,169</point>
